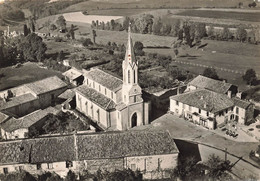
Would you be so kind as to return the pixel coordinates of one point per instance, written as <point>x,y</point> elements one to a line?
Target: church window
<point>105,91</point>
<point>177,103</point>
<point>134,77</point>
<point>92,111</point>
<point>128,76</point>
<point>99,88</point>
<point>86,104</point>
<point>111,95</point>
<point>94,85</point>
<point>98,115</point>
<point>80,104</point>
<point>134,98</point>
<point>87,81</point>
<point>5,170</point>
<point>118,115</point>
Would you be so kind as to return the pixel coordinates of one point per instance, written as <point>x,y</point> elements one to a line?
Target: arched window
<point>134,77</point>
<point>129,76</point>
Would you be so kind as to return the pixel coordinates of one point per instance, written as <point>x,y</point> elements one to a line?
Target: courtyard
<point>181,129</point>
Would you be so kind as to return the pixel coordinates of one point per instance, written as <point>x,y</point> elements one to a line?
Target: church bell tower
<point>131,91</point>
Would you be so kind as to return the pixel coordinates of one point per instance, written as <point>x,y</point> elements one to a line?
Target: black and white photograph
<point>129,90</point>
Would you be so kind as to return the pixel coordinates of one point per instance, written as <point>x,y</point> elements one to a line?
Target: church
<point>113,103</point>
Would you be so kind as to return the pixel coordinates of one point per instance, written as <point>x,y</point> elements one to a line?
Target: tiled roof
<point>46,85</point>
<point>26,121</point>
<point>205,99</point>
<point>3,117</point>
<point>241,103</point>
<point>15,101</point>
<point>125,144</point>
<point>105,79</point>
<point>89,146</point>
<point>14,152</point>
<point>51,149</point>
<point>67,94</point>
<point>210,84</point>
<point>96,97</point>
<point>72,74</point>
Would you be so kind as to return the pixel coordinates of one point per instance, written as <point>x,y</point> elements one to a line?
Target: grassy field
<point>152,4</point>
<point>242,16</point>
<point>29,72</point>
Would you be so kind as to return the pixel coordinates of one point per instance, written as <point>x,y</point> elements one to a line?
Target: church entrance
<point>134,120</point>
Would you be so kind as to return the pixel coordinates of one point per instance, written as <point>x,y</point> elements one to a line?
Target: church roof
<point>105,79</point>
<point>96,97</point>
<point>87,147</point>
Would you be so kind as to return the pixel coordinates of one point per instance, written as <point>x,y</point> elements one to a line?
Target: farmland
<point>79,17</point>
<point>242,16</point>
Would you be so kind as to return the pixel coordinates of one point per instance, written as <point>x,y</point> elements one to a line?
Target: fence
<point>217,68</point>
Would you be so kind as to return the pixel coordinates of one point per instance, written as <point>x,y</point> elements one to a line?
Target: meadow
<point>242,16</point>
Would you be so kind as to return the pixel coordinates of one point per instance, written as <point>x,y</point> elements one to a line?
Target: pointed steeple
<point>130,56</point>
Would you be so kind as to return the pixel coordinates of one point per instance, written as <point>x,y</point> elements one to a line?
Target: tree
<point>25,30</point>
<point>60,56</point>
<point>176,52</point>
<point>53,27</point>
<point>217,167</point>
<point>240,5</point>
<point>241,33</point>
<point>72,32</point>
<point>138,48</point>
<point>71,176</point>
<point>210,73</point>
<point>157,25</point>
<point>200,31</point>
<point>61,22</point>
<point>32,48</point>
<point>211,31</point>
<point>94,34</point>
<point>250,77</point>
<point>126,23</point>
<point>144,23</point>
<point>18,176</point>
<point>226,35</point>
<point>86,42</point>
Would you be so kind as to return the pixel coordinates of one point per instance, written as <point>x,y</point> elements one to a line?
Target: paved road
<point>180,129</point>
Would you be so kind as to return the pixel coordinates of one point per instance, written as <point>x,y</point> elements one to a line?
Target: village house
<point>211,103</point>
<point>19,128</point>
<point>32,96</point>
<point>114,103</point>
<point>202,82</point>
<point>153,153</point>
<point>74,76</point>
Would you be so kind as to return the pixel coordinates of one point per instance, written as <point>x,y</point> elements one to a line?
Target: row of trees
<point>116,175</point>
<point>147,24</point>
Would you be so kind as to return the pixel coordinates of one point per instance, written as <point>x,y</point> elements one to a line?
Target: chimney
<point>178,90</point>
<point>205,106</point>
<point>239,95</point>
<point>229,94</point>
<point>224,81</point>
